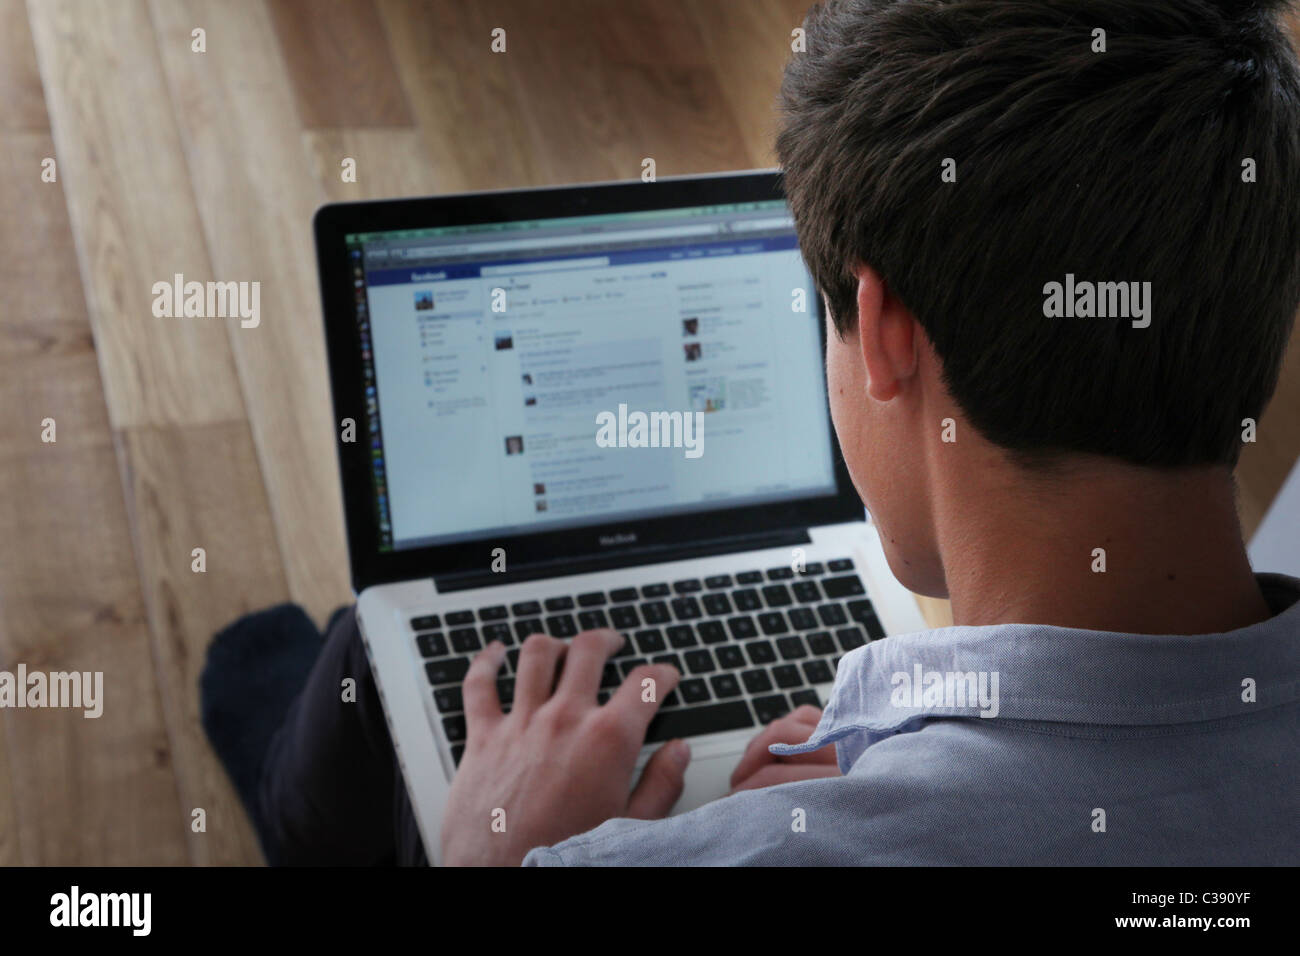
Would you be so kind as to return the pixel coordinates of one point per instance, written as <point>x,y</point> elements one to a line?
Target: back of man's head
<point>1163,149</point>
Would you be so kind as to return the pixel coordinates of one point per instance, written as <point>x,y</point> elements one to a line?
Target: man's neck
<point>1169,542</point>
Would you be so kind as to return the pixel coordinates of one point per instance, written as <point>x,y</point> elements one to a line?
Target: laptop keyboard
<point>749,646</point>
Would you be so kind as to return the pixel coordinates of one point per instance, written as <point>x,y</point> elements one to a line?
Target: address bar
<point>591,239</point>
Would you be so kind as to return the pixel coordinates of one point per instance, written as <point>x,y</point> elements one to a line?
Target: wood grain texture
<point>389,162</point>
<point>461,94</point>
<point>748,50</point>
<point>339,65</point>
<point>238,93</point>
<point>188,488</point>
<point>22,103</point>
<point>95,791</point>
<point>10,848</point>
<point>132,212</point>
<point>587,89</point>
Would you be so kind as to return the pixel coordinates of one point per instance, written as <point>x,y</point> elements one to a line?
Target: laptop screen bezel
<point>369,565</point>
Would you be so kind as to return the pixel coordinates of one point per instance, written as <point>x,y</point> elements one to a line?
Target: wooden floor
<point>174,435</point>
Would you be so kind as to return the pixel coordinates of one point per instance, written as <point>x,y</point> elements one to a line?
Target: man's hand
<point>758,768</point>
<point>558,764</point>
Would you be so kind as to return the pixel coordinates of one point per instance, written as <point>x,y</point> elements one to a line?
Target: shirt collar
<point>1034,672</point>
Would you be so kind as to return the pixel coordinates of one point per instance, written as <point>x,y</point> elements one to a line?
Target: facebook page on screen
<point>492,353</point>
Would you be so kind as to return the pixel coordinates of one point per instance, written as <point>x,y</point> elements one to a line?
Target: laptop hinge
<point>563,567</point>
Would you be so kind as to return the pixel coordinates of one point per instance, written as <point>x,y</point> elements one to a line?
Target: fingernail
<point>681,753</point>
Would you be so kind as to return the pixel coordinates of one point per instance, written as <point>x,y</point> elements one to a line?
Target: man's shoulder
<point>875,815</point>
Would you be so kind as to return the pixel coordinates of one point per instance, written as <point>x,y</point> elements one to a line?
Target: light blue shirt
<point>1106,749</point>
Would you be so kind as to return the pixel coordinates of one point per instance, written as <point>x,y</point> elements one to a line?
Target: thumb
<point>661,782</point>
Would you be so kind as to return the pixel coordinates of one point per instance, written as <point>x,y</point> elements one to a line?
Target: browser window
<point>497,351</point>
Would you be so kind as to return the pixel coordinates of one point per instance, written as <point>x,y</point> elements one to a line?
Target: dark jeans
<point>331,789</point>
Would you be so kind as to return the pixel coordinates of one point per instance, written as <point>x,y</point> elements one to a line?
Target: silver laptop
<point>594,406</point>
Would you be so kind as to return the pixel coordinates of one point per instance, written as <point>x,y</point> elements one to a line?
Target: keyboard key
<point>686,608</point>
<point>497,612</point>
<point>806,592</point>
<point>432,644</point>
<point>623,595</point>
<point>850,637</point>
<point>832,615</point>
<point>457,752</point>
<point>429,622</point>
<point>526,609</point>
<point>630,664</point>
<point>681,635</point>
<point>772,622</point>
<point>650,641</point>
<point>687,586</point>
<point>530,626</point>
<point>760,652</point>
<point>875,629</point>
<point>562,603</point>
<point>711,632</point>
<point>802,619</point>
<point>448,700</point>
<point>742,627</point>
<point>747,599</point>
<point>777,595</point>
<point>842,564</point>
<point>861,610</point>
<point>512,660</point>
<point>814,568</point>
<point>672,660</point>
<point>749,577</point>
<point>725,685</point>
<point>654,591</point>
<point>756,681</point>
<point>561,625</point>
<point>626,649</point>
<point>465,640</point>
<point>791,648</point>
<point>672,700</point>
<point>718,581</point>
<point>787,676</point>
<point>609,677</point>
<point>847,586</point>
<point>717,604</point>
<point>801,697</point>
<point>769,709</point>
<point>700,662</point>
<point>506,690</point>
<point>818,672</point>
<point>590,620</point>
<point>693,721</point>
<point>498,632</point>
<point>655,612</point>
<point>694,690</point>
<point>822,643</point>
<point>449,671</point>
<point>591,599</point>
<point>730,657</point>
<point>455,728</point>
<point>782,573</point>
<point>460,617</point>
<point>625,617</point>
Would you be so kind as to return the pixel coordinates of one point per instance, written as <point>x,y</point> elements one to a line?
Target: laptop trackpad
<point>707,779</point>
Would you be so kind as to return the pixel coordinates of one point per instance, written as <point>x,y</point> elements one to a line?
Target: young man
<point>1059,246</point>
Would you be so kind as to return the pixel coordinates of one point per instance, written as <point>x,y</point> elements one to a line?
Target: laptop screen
<point>523,377</point>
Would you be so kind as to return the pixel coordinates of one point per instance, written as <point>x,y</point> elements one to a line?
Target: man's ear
<point>886,335</point>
